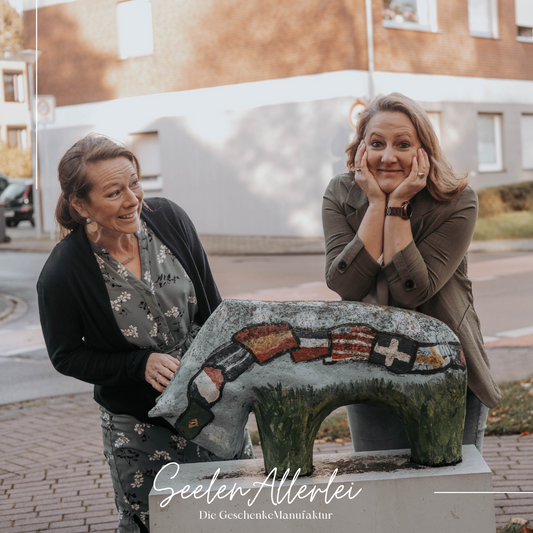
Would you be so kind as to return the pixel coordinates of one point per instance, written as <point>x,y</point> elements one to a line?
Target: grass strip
<point>515,225</point>
<point>514,414</point>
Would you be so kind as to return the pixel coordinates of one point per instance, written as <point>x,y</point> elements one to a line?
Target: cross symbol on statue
<point>391,353</point>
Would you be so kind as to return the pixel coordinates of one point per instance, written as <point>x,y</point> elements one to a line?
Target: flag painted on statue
<point>313,344</point>
<point>351,342</point>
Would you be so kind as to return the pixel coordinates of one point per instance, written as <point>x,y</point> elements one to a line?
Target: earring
<point>92,226</point>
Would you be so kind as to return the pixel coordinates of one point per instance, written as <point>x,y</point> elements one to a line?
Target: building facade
<point>240,111</point>
<point>15,125</point>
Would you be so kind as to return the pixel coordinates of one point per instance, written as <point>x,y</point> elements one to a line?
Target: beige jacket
<point>429,275</point>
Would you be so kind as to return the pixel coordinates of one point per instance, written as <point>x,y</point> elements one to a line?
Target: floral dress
<point>156,312</point>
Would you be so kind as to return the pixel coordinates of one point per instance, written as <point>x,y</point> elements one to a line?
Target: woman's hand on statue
<point>365,179</point>
<point>159,370</point>
<point>414,183</point>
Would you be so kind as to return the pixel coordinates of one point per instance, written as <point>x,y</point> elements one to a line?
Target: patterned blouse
<point>155,312</point>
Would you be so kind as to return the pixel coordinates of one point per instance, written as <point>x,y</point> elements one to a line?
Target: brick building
<point>239,110</point>
<point>15,124</point>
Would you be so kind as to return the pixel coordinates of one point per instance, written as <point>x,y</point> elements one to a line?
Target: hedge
<point>505,199</point>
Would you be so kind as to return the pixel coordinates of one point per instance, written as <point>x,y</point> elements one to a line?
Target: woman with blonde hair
<point>397,230</point>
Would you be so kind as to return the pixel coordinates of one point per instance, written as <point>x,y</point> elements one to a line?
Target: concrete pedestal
<point>371,492</point>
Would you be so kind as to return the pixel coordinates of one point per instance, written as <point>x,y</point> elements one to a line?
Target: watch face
<point>408,210</point>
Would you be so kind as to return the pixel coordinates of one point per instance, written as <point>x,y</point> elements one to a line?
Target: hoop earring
<point>92,226</point>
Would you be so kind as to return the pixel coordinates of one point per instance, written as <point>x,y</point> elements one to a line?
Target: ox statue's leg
<point>288,421</point>
<point>433,419</point>
<point>432,413</point>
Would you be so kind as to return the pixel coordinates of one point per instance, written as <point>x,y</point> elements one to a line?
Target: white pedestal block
<point>371,492</point>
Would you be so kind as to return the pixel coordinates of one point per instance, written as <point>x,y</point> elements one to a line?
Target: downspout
<point>370,48</point>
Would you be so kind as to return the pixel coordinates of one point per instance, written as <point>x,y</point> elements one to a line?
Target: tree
<point>11,36</point>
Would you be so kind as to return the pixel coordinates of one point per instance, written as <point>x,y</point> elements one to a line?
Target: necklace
<point>130,258</point>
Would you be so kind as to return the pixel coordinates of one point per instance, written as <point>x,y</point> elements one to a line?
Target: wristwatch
<point>405,211</point>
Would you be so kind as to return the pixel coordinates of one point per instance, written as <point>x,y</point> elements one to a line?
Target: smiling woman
<point>121,299</point>
<point>397,230</point>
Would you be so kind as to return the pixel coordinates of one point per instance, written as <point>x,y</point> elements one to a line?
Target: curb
<point>11,308</point>
<point>264,245</point>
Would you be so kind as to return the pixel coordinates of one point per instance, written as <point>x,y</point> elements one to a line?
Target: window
<point>483,18</point>
<point>524,20</point>
<point>410,14</point>
<point>527,141</point>
<point>13,86</point>
<point>146,148</point>
<point>489,142</point>
<point>434,118</point>
<point>16,137</point>
<point>135,28</point>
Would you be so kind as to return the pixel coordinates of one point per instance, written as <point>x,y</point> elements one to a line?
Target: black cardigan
<point>81,334</point>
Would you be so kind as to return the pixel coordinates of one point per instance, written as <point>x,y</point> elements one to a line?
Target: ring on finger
<point>358,170</point>
<point>421,175</point>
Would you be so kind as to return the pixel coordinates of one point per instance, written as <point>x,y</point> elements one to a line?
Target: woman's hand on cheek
<point>365,179</point>
<point>159,370</point>
<point>415,182</point>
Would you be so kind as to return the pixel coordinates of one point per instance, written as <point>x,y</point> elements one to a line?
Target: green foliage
<point>496,201</point>
<point>511,528</point>
<point>11,35</point>
<point>254,437</point>
<point>15,162</point>
<point>514,414</point>
<point>335,427</point>
<point>515,225</point>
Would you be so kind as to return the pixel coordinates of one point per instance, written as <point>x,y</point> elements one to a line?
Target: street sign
<point>46,105</point>
<point>355,111</point>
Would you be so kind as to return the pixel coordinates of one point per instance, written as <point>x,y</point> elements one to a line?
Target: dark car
<point>4,181</point>
<point>17,199</point>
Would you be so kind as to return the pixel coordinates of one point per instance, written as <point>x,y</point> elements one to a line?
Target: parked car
<point>17,199</point>
<point>4,181</point>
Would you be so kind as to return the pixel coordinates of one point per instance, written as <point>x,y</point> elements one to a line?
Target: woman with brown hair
<point>121,299</point>
<point>397,230</point>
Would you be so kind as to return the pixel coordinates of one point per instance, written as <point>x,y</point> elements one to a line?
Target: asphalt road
<point>504,302</point>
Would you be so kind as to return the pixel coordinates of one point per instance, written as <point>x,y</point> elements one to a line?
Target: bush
<point>505,199</point>
<point>15,162</point>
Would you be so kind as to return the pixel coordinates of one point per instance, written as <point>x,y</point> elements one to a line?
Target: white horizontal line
<point>24,349</point>
<point>343,352</point>
<point>484,278</point>
<point>314,343</point>
<point>490,339</point>
<point>516,332</point>
<point>486,492</point>
<point>347,341</point>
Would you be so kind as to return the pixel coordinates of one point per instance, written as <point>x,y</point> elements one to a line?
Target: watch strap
<point>394,211</point>
<point>403,211</point>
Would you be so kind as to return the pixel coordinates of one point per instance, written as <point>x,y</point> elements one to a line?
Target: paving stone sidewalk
<point>53,476</point>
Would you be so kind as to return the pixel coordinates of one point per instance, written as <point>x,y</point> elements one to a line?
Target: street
<point>503,292</point>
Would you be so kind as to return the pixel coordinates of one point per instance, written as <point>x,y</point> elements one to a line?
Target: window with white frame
<point>17,137</point>
<point>13,86</point>
<point>489,142</point>
<point>135,33</point>
<point>147,150</point>
<point>483,18</point>
<point>527,141</point>
<point>524,20</point>
<point>410,14</point>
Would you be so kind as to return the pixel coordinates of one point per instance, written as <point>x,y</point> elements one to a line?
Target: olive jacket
<point>429,275</point>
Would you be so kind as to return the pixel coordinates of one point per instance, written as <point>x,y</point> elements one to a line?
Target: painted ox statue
<point>293,363</point>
